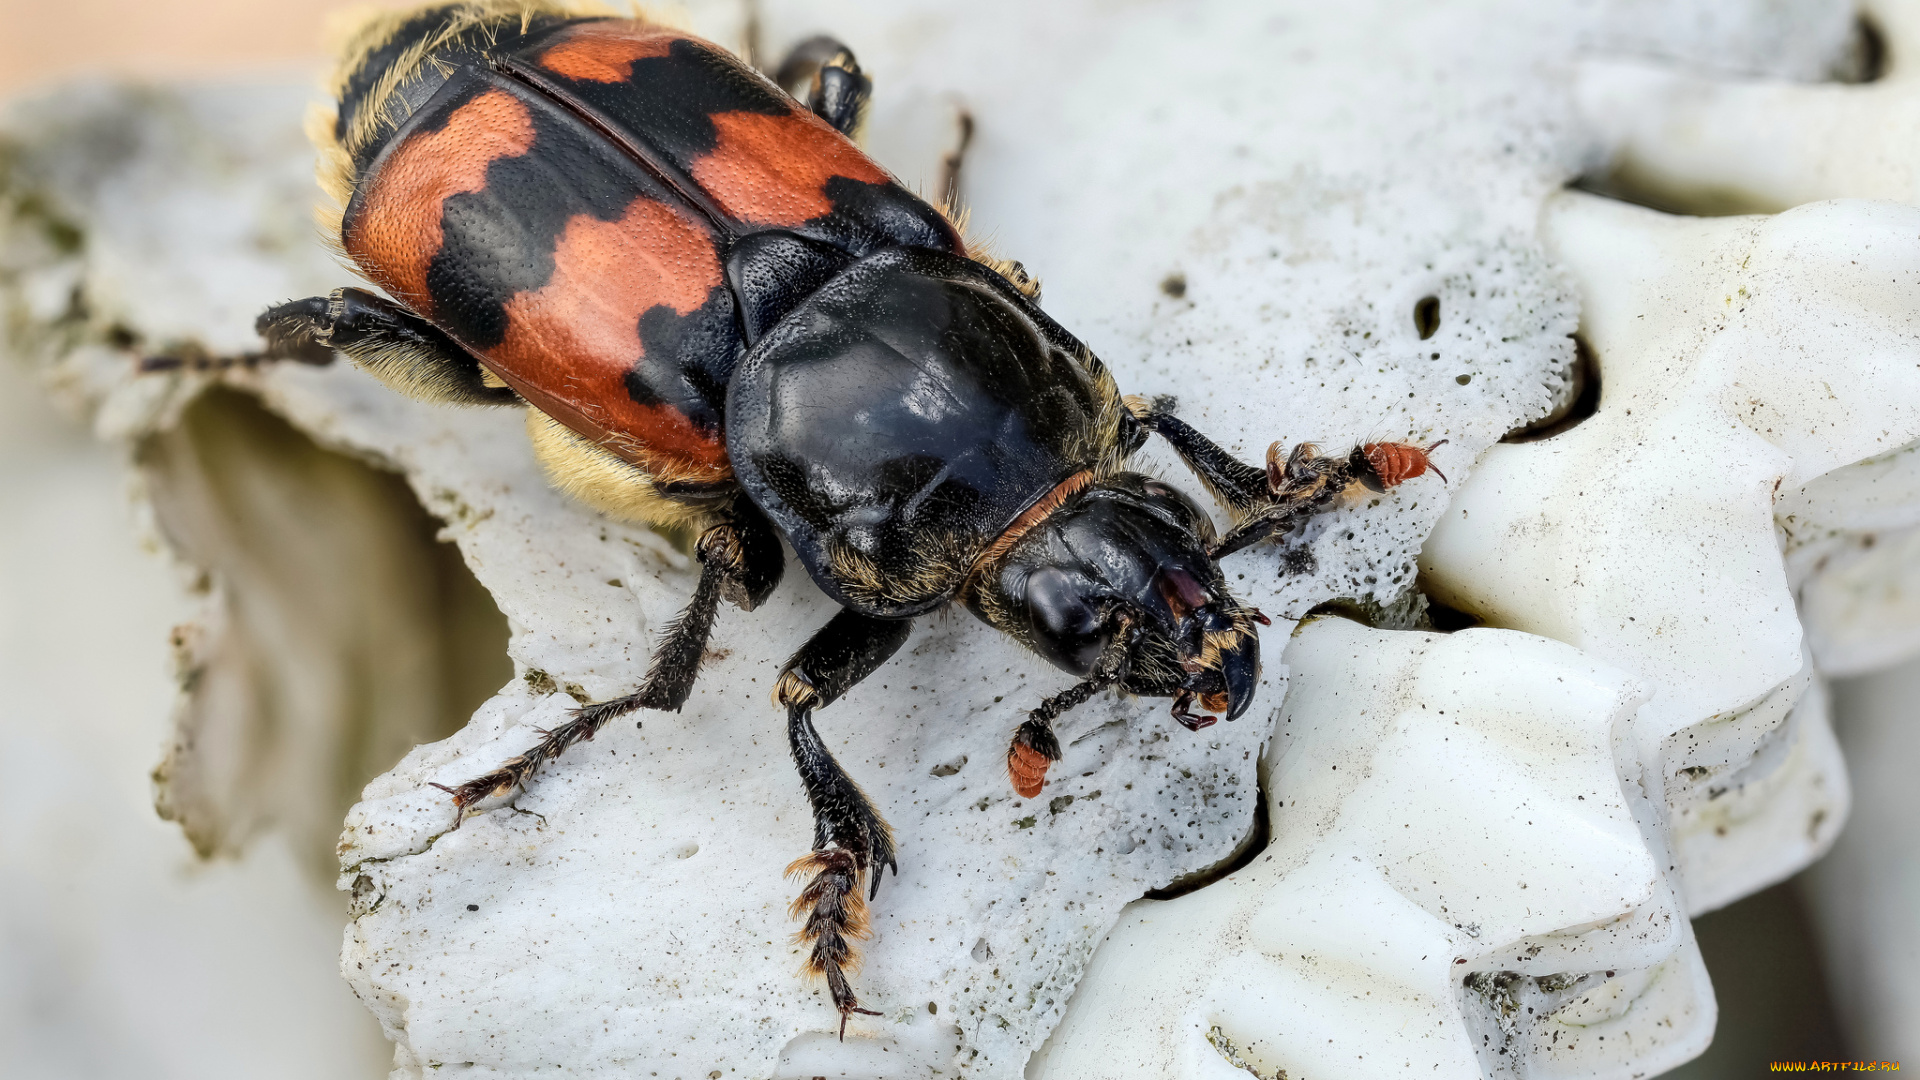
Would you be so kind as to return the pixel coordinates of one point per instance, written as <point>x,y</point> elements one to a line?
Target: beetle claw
<point>1187,719</point>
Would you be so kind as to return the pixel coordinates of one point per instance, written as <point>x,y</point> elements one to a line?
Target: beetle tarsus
<point>199,361</point>
<point>853,848</point>
<point>852,843</point>
<point>836,915</point>
<point>1186,717</point>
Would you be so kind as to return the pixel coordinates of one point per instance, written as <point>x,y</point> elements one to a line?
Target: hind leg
<point>834,86</point>
<point>396,346</point>
<point>726,568</point>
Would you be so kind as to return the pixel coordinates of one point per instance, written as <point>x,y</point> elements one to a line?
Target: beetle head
<point>1127,558</point>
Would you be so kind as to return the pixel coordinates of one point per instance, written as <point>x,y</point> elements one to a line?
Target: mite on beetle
<point>720,314</point>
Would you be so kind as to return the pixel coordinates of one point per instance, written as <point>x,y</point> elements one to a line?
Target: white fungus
<point>1307,224</point>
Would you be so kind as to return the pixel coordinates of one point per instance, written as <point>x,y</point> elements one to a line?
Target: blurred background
<point>176,39</point>
<point>124,953</point>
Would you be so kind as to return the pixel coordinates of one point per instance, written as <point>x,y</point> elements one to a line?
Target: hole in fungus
<point>686,851</point>
<point>1865,60</point>
<point>350,631</point>
<point>1404,613</point>
<point>1446,620</point>
<point>1174,285</point>
<point>1426,316</point>
<point>1579,400</point>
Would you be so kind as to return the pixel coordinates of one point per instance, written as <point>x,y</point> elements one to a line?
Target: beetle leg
<point>740,561</point>
<point>850,839</point>
<point>1240,486</point>
<point>1272,500</point>
<point>194,359</point>
<point>1035,747</point>
<point>1308,482</point>
<point>396,346</point>
<point>836,88</point>
<point>949,189</point>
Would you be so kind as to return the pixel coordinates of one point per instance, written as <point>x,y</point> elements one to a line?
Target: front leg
<point>1309,483</point>
<point>1272,500</point>
<point>1240,486</point>
<point>850,839</point>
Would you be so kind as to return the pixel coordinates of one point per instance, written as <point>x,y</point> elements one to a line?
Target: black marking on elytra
<point>702,347</point>
<point>500,240</point>
<point>664,112</point>
<point>672,99</point>
<point>867,217</point>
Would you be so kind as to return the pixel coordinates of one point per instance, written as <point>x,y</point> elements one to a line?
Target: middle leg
<point>740,561</point>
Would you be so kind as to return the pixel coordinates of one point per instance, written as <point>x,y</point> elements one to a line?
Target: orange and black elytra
<point>719,313</point>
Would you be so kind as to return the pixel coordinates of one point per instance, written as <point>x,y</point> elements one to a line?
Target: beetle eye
<point>1181,591</point>
<point>1069,629</point>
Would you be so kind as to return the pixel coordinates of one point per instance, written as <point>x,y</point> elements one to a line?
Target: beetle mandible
<point>719,314</point>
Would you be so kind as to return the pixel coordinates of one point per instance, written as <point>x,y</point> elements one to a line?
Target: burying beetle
<point>720,314</point>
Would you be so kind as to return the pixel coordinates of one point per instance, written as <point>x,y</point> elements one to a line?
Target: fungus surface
<point>1363,212</point>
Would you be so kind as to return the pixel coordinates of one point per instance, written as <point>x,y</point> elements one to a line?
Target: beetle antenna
<point>1035,746</point>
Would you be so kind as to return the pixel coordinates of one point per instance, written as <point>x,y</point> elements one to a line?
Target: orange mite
<point>1396,463</point>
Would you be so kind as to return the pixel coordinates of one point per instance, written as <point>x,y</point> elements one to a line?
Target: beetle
<point>721,315</point>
